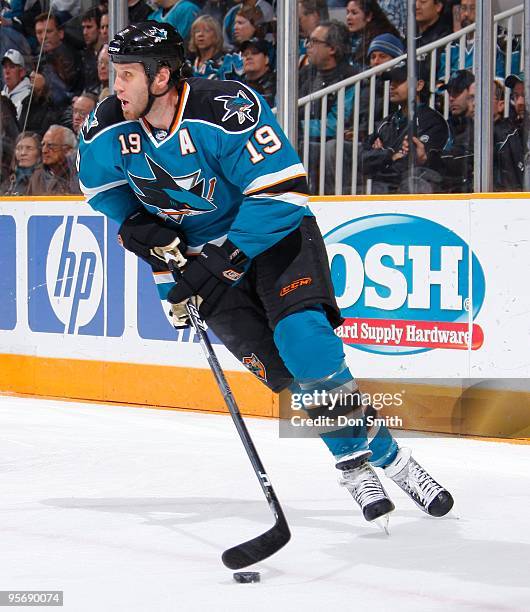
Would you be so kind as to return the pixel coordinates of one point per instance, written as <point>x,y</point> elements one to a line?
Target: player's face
<point>131,87</point>
<point>356,18</point>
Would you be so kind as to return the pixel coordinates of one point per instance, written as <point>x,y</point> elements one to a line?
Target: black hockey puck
<point>246,577</point>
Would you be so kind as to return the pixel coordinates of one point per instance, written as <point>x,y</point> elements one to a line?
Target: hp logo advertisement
<point>8,278</point>
<point>76,276</point>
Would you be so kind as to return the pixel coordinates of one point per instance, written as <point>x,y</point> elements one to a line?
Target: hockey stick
<point>278,535</point>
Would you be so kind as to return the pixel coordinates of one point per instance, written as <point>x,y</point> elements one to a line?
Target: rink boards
<point>429,289</point>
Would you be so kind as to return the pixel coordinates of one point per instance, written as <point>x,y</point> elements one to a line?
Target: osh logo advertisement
<point>404,285</point>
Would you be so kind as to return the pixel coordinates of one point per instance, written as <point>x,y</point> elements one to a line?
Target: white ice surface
<point>129,509</point>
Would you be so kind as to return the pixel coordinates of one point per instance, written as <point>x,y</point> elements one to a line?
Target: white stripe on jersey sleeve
<point>267,180</point>
<point>298,199</point>
<point>90,192</point>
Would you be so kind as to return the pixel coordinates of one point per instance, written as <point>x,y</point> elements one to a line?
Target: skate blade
<point>383,523</point>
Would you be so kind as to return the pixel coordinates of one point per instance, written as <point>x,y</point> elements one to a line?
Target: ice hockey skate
<point>360,479</point>
<point>419,485</point>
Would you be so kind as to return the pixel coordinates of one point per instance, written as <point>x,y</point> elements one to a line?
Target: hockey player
<point>200,169</point>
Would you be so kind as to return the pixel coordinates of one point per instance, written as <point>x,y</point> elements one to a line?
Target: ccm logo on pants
<point>301,282</point>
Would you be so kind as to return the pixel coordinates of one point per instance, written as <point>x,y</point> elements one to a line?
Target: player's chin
<point>130,113</point>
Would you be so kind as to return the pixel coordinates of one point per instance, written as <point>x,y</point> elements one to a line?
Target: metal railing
<point>448,46</point>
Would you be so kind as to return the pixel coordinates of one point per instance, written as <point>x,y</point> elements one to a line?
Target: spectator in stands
<point>382,49</point>
<point>365,21</point>
<point>467,17</point>
<point>57,175</point>
<point>65,10</point>
<point>454,8</point>
<point>246,26</point>
<point>267,15</point>
<point>103,73</point>
<point>396,11</point>
<point>257,68</point>
<point>327,50</point>
<point>459,156</point>
<point>8,135</point>
<point>60,63</point>
<point>510,143</point>
<point>17,22</point>
<point>82,106</point>
<point>328,47</point>
<point>138,10</point>
<point>104,29</point>
<point>90,22</point>
<point>25,161</point>
<point>217,9</point>
<point>429,22</point>
<point>310,14</point>
<point>179,13</point>
<point>508,160</point>
<point>384,157</point>
<point>17,85</point>
<point>38,110</point>
<point>206,46</point>
<point>515,82</point>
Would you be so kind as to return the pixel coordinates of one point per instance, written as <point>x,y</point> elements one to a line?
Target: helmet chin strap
<point>151,96</point>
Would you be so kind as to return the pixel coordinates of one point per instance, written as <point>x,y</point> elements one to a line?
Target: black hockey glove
<point>150,238</point>
<point>209,275</point>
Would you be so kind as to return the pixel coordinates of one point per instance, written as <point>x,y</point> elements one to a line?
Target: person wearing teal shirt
<point>180,14</point>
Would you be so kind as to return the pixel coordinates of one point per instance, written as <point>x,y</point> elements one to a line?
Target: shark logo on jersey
<point>157,34</point>
<point>175,196</point>
<point>237,106</point>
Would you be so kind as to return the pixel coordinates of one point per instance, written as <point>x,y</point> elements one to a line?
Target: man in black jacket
<point>508,160</point>
<point>458,158</point>
<point>384,157</point>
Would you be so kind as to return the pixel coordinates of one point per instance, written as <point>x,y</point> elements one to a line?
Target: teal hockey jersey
<point>223,169</point>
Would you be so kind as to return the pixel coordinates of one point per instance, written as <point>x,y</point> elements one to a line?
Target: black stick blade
<point>258,548</point>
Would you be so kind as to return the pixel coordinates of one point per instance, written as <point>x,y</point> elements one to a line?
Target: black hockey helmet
<point>151,44</point>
